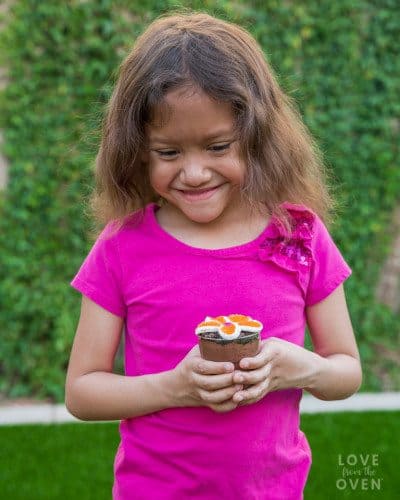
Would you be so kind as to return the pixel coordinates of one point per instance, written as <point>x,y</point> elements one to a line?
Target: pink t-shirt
<point>163,288</point>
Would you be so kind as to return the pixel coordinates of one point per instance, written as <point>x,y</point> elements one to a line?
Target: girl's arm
<point>92,391</point>
<point>338,372</point>
<point>331,371</point>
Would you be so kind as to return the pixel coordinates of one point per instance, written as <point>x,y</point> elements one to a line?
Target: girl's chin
<point>201,216</point>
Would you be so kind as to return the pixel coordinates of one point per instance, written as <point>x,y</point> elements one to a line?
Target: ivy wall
<point>339,60</point>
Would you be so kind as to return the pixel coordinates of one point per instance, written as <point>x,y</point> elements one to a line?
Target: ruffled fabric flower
<point>293,252</point>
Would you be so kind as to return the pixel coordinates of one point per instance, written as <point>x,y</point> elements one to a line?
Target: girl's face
<point>193,158</point>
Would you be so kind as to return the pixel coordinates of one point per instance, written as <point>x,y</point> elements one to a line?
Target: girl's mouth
<point>202,194</point>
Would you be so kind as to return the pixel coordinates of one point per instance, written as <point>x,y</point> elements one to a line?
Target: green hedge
<point>340,60</point>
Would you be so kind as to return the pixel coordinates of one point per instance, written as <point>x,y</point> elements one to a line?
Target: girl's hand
<point>278,365</point>
<point>199,382</point>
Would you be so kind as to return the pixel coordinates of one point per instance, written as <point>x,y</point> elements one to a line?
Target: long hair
<point>222,59</point>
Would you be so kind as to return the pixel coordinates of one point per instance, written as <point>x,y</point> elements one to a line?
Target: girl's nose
<point>195,173</point>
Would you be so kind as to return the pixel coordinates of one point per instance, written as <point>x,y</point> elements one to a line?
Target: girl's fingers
<point>223,407</point>
<point>253,393</point>
<point>269,350</point>
<point>214,382</point>
<point>211,376</point>
<point>252,377</point>
<point>204,367</point>
<point>255,362</point>
<point>220,395</point>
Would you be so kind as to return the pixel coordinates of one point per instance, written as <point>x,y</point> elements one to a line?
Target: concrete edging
<point>55,414</point>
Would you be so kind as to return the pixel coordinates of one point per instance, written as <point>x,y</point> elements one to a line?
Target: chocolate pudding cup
<point>214,348</point>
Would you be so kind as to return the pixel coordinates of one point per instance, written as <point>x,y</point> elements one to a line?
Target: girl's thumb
<point>194,351</point>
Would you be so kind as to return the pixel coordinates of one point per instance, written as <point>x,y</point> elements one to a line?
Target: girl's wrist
<point>317,364</point>
<point>171,389</point>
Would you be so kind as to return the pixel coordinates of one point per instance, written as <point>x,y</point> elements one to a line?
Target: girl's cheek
<point>160,177</point>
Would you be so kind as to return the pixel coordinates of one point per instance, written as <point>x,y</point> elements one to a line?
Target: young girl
<point>214,196</point>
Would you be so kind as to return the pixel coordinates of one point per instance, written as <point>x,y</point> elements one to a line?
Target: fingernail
<point>228,367</point>
<point>245,364</point>
<point>239,398</point>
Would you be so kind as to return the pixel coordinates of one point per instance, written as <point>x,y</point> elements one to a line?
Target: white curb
<point>54,414</point>
<point>34,414</point>
<point>382,401</point>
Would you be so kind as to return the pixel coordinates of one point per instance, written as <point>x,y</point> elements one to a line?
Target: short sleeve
<point>100,276</point>
<point>328,268</point>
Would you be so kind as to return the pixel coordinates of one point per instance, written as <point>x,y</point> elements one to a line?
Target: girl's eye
<point>172,152</point>
<point>167,154</point>
<point>220,147</point>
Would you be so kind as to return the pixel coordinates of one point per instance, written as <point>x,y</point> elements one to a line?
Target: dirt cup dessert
<point>229,338</point>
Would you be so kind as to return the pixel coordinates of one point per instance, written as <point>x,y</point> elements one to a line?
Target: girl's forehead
<point>185,108</point>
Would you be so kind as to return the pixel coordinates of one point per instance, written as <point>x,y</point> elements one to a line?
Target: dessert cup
<point>215,348</point>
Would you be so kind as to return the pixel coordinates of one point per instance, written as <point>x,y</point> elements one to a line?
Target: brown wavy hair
<point>225,61</point>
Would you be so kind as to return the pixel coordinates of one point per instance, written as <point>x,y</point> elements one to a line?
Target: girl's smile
<point>200,194</point>
<point>193,159</point>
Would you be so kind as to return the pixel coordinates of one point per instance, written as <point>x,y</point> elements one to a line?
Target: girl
<point>214,196</point>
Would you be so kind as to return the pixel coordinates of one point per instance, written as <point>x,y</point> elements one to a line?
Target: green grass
<point>74,461</point>
<point>346,436</point>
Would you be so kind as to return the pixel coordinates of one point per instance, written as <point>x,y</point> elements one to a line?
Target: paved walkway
<point>52,414</point>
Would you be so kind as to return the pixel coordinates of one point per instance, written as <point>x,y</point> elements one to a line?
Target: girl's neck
<point>242,227</point>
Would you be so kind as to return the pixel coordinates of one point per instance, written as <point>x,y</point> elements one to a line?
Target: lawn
<point>355,455</point>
